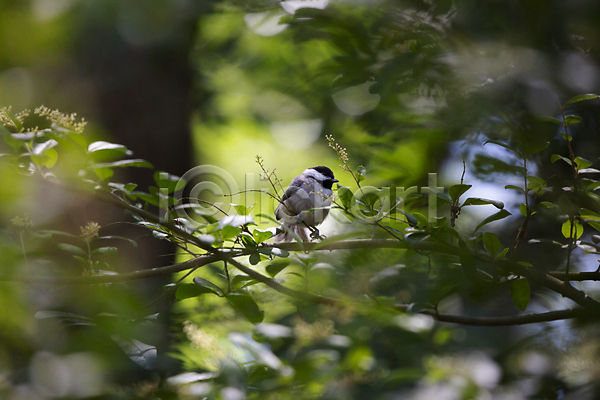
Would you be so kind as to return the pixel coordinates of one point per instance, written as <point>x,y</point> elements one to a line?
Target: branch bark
<point>509,320</point>
<point>576,276</point>
<point>113,278</point>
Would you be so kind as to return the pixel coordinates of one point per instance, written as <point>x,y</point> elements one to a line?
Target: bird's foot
<point>314,235</point>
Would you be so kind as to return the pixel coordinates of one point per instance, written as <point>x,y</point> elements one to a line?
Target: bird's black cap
<point>325,171</point>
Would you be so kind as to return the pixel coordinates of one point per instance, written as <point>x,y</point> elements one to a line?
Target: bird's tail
<point>290,232</point>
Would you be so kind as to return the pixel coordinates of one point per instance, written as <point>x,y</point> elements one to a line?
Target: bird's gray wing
<point>296,199</point>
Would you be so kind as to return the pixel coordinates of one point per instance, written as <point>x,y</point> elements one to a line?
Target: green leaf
<point>514,188</point>
<point>208,285</point>
<point>501,254</point>
<point>455,191</point>
<point>572,119</point>
<point>247,240</point>
<point>103,173</point>
<point>520,293</point>
<point>47,159</point>
<point>589,171</point>
<point>546,204</point>
<point>166,182</point>
<point>494,217</point>
<point>276,266</point>
<point>582,97</point>
<point>57,233</point>
<point>235,220</point>
<point>421,219</point>
<point>107,251</point>
<point>274,251</point>
<point>260,235</point>
<point>478,201</point>
<point>13,142</point>
<point>588,184</point>
<point>588,214</point>
<point>577,229</point>
<point>440,222</point>
<point>27,136</point>
<point>246,306</point>
<point>369,200</point>
<point>441,195</point>
<point>133,242</point>
<point>556,157</point>
<point>140,353</point>
<point>345,195</point>
<point>73,249</point>
<point>160,235</point>
<point>189,290</point>
<point>536,146</point>
<point>254,258</point>
<point>413,237</point>
<point>523,209</point>
<point>241,281</point>
<point>240,209</point>
<point>100,151</point>
<point>124,163</point>
<point>84,260</point>
<point>582,163</point>
<point>412,221</point>
<point>59,314</point>
<point>42,147</point>
<point>126,188</point>
<point>525,264</point>
<point>360,173</point>
<point>101,145</point>
<point>535,183</point>
<point>549,241</point>
<point>506,146</point>
<point>588,248</point>
<point>229,232</point>
<point>548,119</point>
<point>591,218</point>
<point>594,224</point>
<point>491,243</point>
<point>147,197</point>
<point>566,136</point>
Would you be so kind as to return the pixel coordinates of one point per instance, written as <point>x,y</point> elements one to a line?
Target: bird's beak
<point>334,180</point>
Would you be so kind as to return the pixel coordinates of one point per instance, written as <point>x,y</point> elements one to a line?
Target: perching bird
<point>305,203</point>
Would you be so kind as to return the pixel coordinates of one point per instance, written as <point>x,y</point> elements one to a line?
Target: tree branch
<point>366,244</point>
<point>552,283</point>
<point>509,320</point>
<point>576,276</point>
<point>113,278</point>
<point>539,277</point>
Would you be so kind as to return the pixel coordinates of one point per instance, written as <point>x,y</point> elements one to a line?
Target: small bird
<point>305,203</point>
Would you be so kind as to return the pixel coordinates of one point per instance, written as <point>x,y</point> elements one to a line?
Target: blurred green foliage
<point>487,109</point>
